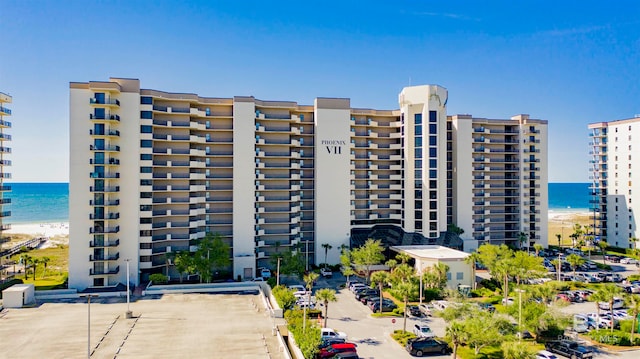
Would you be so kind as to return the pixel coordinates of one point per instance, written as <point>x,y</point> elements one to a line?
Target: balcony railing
<point>104,175</point>
<point>104,133</point>
<point>104,189</point>
<point>104,117</point>
<point>104,148</point>
<point>97,230</point>
<point>113,257</point>
<point>102,202</point>
<point>106,101</point>
<point>94,244</point>
<point>104,215</point>
<point>115,270</point>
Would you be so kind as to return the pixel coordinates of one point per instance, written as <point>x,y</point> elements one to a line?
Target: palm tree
<point>559,236</point>
<point>575,261</point>
<point>403,258</point>
<point>522,237</point>
<point>609,293</point>
<point>404,289</point>
<point>517,350</point>
<point>597,297</point>
<point>326,295</point>
<point>603,247</point>
<point>380,278</point>
<point>326,247</point>
<point>633,302</point>
<point>308,279</point>
<point>184,263</point>
<point>35,262</point>
<point>473,259</point>
<point>169,259</point>
<point>44,261</point>
<point>25,259</point>
<point>456,332</point>
<point>537,247</point>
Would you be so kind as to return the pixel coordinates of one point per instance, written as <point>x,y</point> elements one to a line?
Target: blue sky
<point>569,62</point>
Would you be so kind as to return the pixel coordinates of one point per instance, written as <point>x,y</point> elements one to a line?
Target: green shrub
<point>402,337</point>
<point>284,296</point>
<point>494,299</point>
<point>308,340</point>
<point>618,337</point>
<point>491,284</point>
<point>633,277</point>
<point>272,282</point>
<point>431,294</point>
<point>482,292</point>
<point>602,266</point>
<point>158,278</point>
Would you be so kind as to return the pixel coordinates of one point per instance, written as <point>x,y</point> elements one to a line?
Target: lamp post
<point>421,291</point>
<point>278,272</point>
<point>89,296</point>
<point>306,255</point>
<point>128,312</point>
<point>559,265</point>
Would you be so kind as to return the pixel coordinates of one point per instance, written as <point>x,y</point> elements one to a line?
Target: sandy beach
<point>561,222</point>
<point>40,229</point>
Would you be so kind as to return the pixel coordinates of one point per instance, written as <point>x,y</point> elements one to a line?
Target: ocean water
<point>39,202</point>
<point>569,197</point>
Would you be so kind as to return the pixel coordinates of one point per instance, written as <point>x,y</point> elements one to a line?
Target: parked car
<point>353,286</point>
<point>423,331</point>
<point>366,292</point>
<point>330,333</point>
<point>414,311</point>
<point>543,354</point>
<point>326,342</point>
<point>421,346</point>
<point>618,303</point>
<point>346,355</point>
<point>425,309</point>
<point>487,306</point>
<point>387,306</point>
<point>627,260</point>
<point>334,349</point>
<point>569,349</point>
<point>326,272</point>
<point>265,273</point>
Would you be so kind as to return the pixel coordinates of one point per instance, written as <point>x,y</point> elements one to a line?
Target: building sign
<point>333,147</point>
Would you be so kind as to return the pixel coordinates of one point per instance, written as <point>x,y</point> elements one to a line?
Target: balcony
<point>98,244</point>
<point>104,189</point>
<point>113,257</point>
<point>5,111</point>
<point>97,230</point>
<point>107,148</point>
<point>106,101</point>
<point>104,175</point>
<point>114,202</point>
<point>5,214</point>
<point>107,117</point>
<point>111,215</point>
<point>113,133</point>
<point>115,270</point>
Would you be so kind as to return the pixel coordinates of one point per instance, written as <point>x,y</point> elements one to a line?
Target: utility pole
<point>128,313</point>
<point>278,272</point>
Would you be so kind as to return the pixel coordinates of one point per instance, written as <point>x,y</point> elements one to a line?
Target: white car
<point>326,272</point>
<point>330,333</point>
<point>628,261</point>
<point>298,290</point>
<point>543,354</point>
<point>353,287</point>
<point>617,304</point>
<point>508,301</point>
<point>423,331</point>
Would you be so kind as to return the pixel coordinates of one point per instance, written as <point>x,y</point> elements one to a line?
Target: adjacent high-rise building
<point>614,152</point>
<point>152,172</point>
<point>5,151</point>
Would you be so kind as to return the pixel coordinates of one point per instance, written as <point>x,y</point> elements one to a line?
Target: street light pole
<point>89,296</point>
<point>519,312</point>
<point>559,265</point>
<point>278,272</point>
<point>128,313</point>
<point>421,291</point>
<point>306,255</point>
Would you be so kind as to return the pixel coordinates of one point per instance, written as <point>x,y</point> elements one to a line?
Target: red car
<point>334,349</point>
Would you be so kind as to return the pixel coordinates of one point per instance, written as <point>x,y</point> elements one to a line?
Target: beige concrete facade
<point>460,272</point>
<point>152,172</point>
<point>615,183</point>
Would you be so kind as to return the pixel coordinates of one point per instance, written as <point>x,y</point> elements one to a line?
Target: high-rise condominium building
<point>5,213</point>
<point>153,171</point>
<point>615,155</point>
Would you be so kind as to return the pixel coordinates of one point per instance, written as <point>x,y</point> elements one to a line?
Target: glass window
<point>433,216</point>
<point>418,153</point>
<point>433,153</point>
<point>418,194</point>
<point>418,183</point>
<point>145,170</point>
<point>418,173</point>
<point>146,157</point>
<point>418,142</point>
<point>417,118</point>
<point>146,115</point>
<point>433,174</point>
<point>146,100</point>
<point>418,130</point>
<point>418,164</point>
<point>433,163</point>
<point>146,143</point>
<point>433,140</point>
<point>433,116</point>
<point>146,182</point>
<point>433,205</point>
<point>146,129</point>
<point>460,275</point>
<point>433,128</point>
<point>98,113</point>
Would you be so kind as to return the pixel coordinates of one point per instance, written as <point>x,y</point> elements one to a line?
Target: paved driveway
<point>372,335</point>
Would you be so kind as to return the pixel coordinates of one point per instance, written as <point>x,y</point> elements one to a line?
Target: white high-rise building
<point>615,154</point>
<point>4,162</point>
<point>153,171</point>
